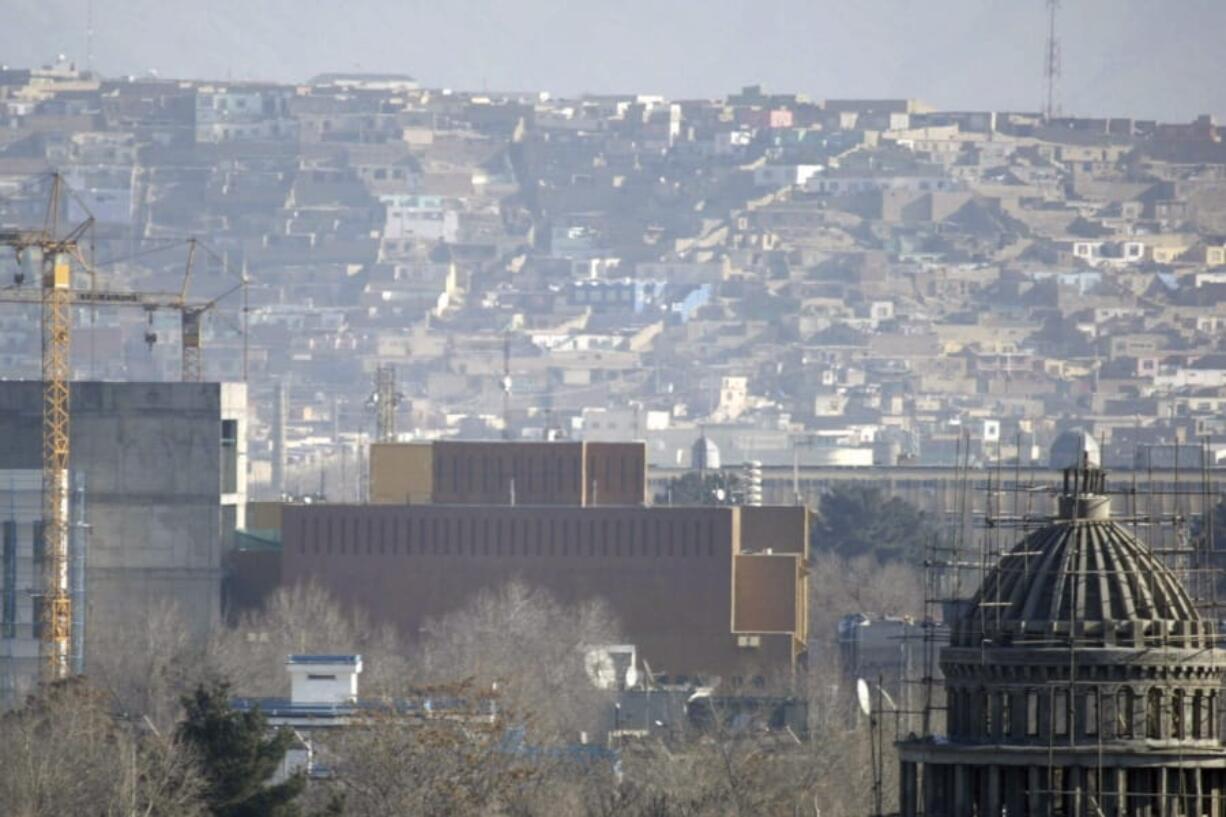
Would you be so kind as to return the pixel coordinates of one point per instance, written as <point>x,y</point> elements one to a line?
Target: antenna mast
<point>386,399</point>
<point>89,36</point>
<point>1051,63</point>
<point>506,386</point>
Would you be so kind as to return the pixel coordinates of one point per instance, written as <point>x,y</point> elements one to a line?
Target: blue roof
<point>325,659</point>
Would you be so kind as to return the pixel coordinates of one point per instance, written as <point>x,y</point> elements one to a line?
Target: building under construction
<point>1084,675</point>
<point>158,476</point>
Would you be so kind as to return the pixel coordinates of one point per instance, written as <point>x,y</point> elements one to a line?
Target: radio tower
<point>385,400</point>
<point>1051,63</point>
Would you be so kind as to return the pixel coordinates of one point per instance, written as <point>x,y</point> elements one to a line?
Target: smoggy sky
<point>1143,58</point>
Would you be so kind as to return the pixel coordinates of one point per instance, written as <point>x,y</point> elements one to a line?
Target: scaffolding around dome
<point>1084,675</point>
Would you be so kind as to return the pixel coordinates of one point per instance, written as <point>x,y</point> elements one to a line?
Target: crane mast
<point>56,297</point>
<point>57,374</point>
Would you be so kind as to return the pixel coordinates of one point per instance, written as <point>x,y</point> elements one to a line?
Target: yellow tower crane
<point>56,256</point>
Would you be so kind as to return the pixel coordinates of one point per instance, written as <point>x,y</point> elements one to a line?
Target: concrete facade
<point>164,472</point>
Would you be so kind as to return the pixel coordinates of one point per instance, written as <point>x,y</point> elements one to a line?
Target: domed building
<point>1080,681</point>
<point>704,454</point>
<point>1073,449</point>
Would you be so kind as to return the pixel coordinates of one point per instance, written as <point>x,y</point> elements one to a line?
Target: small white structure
<point>323,679</point>
<point>612,666</point>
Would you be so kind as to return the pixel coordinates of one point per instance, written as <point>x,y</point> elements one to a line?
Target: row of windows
<point>542,474</point>
<point>545,475</point>
<point>389,529</point>
<point>499,549</point>
<point>1033,713</point>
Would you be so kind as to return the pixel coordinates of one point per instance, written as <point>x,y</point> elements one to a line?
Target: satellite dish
<point>632,677</point>
<point>864,696</point>
<point>720,494</point>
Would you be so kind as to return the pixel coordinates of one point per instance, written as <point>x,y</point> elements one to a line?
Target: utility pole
<point>89,36</point>
<point>1051,63</point>
<point>280,421</point>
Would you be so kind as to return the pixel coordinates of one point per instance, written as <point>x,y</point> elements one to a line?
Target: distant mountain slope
<point>1138,57</point>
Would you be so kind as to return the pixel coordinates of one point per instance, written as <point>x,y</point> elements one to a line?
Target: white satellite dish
<point>864,696</point>
<point>632,677</point>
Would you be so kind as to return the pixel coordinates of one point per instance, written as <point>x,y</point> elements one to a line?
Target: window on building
<point>229,456</point>
<point>39,545</point>
<point>1090,707</point>
<point>1153,714</point>
<point>1059,712</point>
<point>1123,713</point>
<point>39,608</point>
<point>1177,714</point>
<point>8,615</point>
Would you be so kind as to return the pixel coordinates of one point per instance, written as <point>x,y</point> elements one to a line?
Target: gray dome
<point>1075,449</point>
<point>1083,576</point>
<point>704,454</point>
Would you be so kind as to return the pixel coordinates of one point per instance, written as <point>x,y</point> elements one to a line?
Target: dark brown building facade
<point>451,472</point>
<point>687,587</point>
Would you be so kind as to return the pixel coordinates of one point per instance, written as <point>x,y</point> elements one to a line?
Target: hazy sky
<point>1153,58</point>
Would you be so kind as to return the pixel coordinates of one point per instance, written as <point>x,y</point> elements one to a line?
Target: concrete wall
<point>665,572</point>
<point>151,456</point>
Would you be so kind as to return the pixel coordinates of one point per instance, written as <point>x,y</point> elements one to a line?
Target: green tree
<point>860,520</point>
<point>238,754</point>
<point>709,488</point>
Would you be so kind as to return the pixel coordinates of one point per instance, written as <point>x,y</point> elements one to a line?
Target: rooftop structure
<point>448,472</point>
<point>324,679</point>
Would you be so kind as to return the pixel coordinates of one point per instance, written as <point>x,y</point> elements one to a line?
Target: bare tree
<point>66,752</point>
<point>521,638</point>
<point>459,756</point>
<point>303,619</point>
<point>839,586</point>
<point>147,666</point>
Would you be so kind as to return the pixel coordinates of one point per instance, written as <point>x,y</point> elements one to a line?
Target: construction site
<point>120,496</point>
<point>1070,660</point>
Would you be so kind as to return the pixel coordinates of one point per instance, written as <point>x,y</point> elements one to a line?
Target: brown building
<point>714,591</point>
<point>449,472</point>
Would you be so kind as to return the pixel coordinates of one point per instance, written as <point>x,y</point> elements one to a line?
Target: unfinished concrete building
<point>1081,680</point>
<point>161,471</point>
